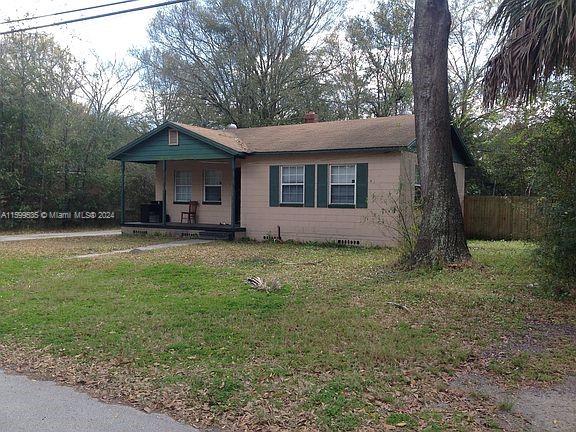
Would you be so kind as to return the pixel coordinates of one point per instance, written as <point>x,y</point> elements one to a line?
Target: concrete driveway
<point>42,406</point>
<point>70,234</point>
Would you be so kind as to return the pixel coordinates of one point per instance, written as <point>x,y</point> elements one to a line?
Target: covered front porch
<point>213,188</point>
<point>197,185</point>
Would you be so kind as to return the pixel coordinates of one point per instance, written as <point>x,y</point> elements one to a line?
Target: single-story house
<point>315,181</point>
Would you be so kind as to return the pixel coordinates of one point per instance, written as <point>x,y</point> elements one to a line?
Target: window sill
<point>291,205</point>
<point>342,206</point>
<point>181,202</point>
<point>211,202</point>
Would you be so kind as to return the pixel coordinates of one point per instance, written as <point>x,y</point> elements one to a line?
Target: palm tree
<point>537,40</point>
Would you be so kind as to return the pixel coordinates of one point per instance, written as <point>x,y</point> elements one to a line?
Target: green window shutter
<point>310,186</point>
<point>322,186</point>
<point>274,185</point>
<point>362,185</point>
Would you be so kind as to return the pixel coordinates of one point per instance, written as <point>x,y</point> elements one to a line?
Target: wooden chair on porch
<point>191,213</point>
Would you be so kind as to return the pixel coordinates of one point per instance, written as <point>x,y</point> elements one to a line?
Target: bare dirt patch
<point>519,401</point>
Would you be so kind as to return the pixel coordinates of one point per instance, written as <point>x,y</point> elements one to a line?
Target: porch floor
<point>186,226</point>
<point>186,230</point>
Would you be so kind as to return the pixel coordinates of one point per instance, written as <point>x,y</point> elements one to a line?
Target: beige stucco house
<point>316,181</point>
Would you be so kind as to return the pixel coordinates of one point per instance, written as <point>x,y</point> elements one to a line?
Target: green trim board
<point>463,152</point>
<point>460,152</point>
<point>322,185</point>
<point>274,186</point>
<point>361,185</point>
<point>342,206</point>
<point>153,146</point>
<point>309,185</point>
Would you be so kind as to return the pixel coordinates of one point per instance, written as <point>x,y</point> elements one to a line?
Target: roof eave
<point>114,155</point>
<point>467,156</point>
<point>391,149</point>
<point>468,159</point>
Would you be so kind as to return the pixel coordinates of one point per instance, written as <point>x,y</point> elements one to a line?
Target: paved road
<point>70,234</point>
<point>42,406</point>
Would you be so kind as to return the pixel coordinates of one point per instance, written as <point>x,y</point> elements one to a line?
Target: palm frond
<point>537,39</point>
<point>260,284</point>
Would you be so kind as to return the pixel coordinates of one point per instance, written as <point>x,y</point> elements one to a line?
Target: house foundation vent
<point>192,235</point>
<point>140,232</point>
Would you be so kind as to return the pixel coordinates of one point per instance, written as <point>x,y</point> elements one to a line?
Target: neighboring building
<point>316,181</point>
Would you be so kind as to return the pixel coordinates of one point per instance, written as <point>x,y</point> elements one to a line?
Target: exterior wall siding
<point>314,223</point>
<point>408,176</point>
<point>156,148</point>
<point>206,213</point>
<point>388,174</point>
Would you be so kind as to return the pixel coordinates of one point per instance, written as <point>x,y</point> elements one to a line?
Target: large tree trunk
<point>441,239</point>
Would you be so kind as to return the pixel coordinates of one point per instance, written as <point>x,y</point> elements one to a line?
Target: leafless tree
<point>245,58</point>
<point>103,84</point>
<point>471,43</point>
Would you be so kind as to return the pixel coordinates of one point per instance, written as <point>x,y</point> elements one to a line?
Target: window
<point>212,186</point>
<point>182,186</point>
<point>342,184</point>
<point>172,137</point>
<point>292,185</point>
<point>417,185</point>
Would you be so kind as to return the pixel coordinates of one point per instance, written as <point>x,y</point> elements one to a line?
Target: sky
<point>110,37</point>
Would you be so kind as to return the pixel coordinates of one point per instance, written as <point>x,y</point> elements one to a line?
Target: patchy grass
<point>57,248</point>
<point>179,331</point>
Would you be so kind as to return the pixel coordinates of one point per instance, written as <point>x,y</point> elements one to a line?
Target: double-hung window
<point>343,184</point>
<point>212,186</point>
<point>182,186</point>
<point>292,184</point>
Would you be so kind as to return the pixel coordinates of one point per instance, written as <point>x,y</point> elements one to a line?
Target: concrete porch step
<point>215,235</point>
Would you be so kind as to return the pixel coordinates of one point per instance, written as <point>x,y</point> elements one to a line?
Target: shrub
<point>557,251</point>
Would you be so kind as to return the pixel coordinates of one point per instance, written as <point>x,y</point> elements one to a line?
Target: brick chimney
<point>310,117</point>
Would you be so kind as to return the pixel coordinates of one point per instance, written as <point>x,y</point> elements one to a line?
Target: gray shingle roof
<point>398,131</point>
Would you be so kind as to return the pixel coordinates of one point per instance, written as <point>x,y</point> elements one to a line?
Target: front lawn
<point>179,331</point>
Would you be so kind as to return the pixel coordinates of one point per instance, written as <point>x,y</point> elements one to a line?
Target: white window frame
<point>211,185</point>
<point>282,184</point>
<point>353,203</point>
<point>171,143</point>
<point>183,185</point>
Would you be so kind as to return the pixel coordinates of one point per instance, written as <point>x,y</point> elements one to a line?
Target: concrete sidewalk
<point>177,243</point>
<point>71,234</point>
<point>42,406</point>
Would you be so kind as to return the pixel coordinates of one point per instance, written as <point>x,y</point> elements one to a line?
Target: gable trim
<point>460,146</point>
<point>170,125</point>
